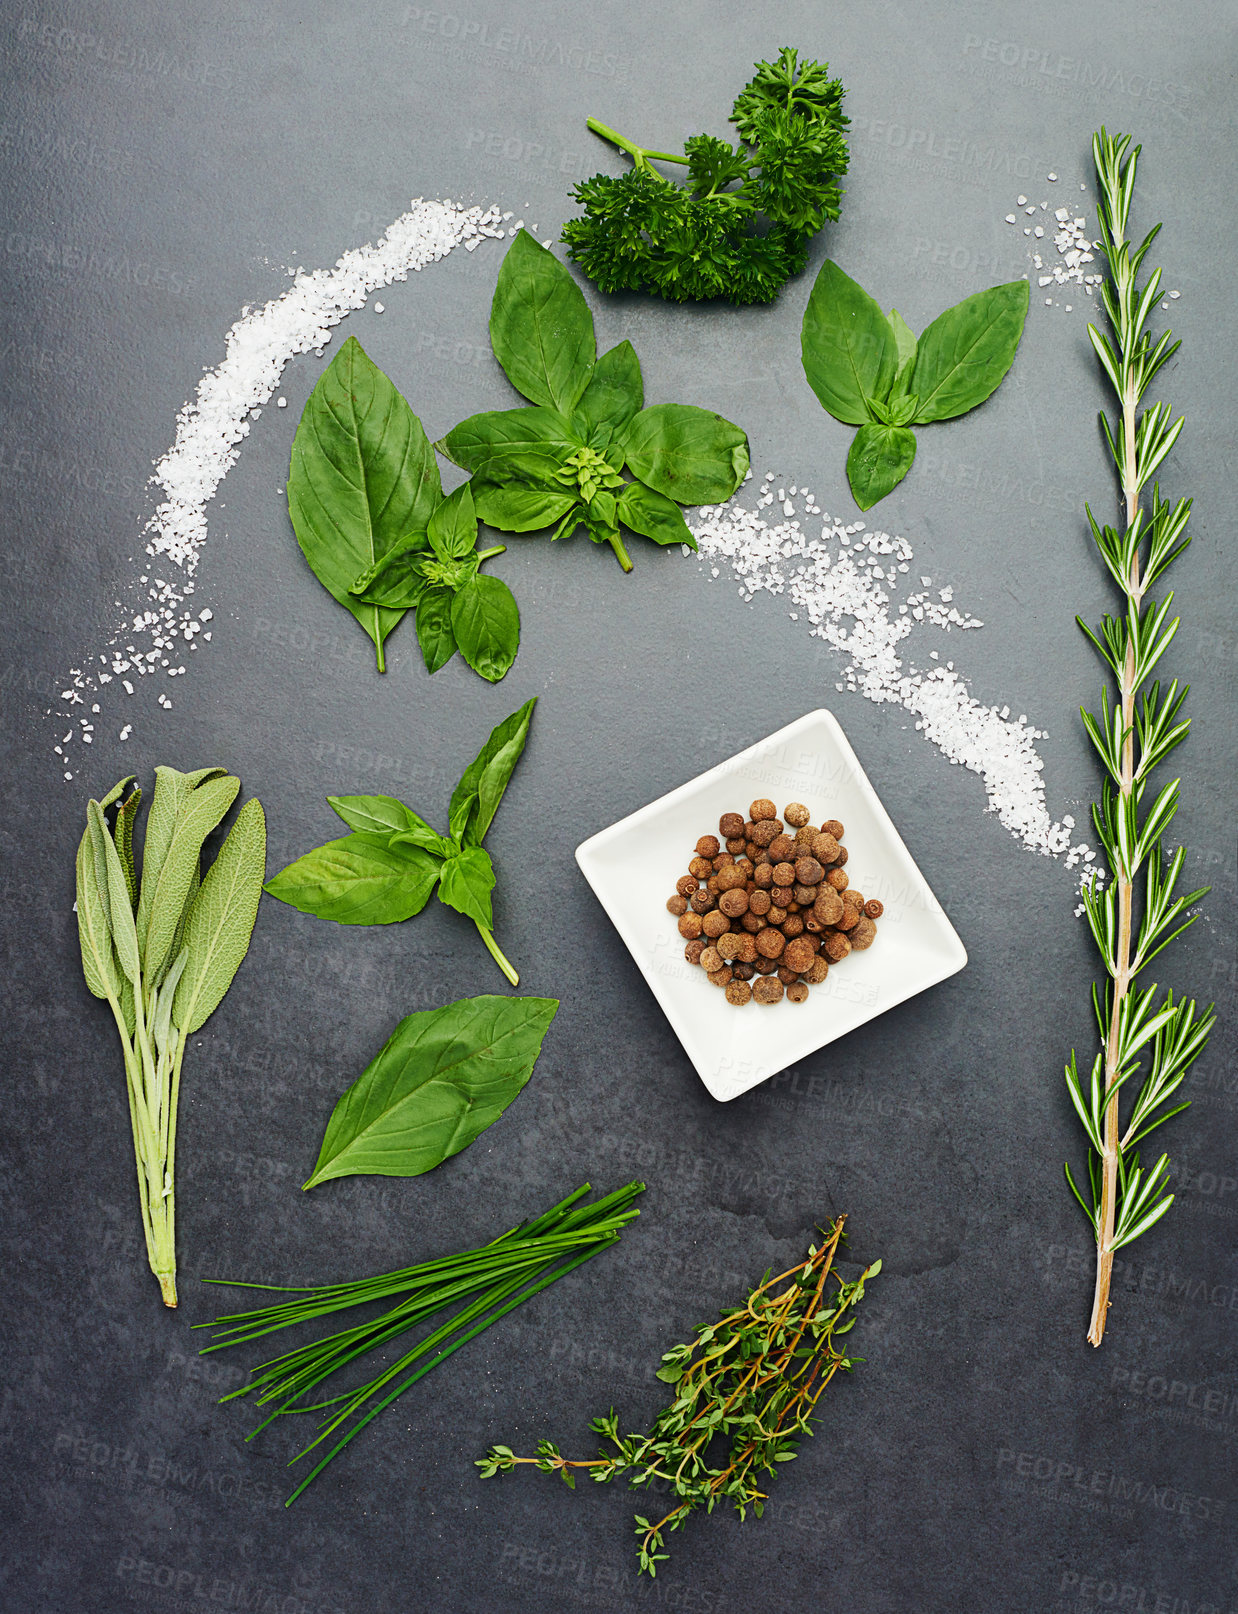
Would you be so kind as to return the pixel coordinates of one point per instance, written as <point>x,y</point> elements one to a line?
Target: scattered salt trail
<point>212,425</point>
<point>846,583</point>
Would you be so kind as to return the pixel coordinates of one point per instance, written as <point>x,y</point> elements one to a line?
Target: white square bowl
<point>633,867</point>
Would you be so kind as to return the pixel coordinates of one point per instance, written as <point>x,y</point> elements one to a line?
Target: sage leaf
<point>848,347</point>
<point>434,634</point>
<point>113,885</point>
<point>94,926</point>
<point>486,625</point>
<point>161,1004</point>
<point>122,834</point>
<point>441,1078</point>
<point>384,815</point>
<point>653,515</point>
<point>360,879</point>
<point>171,790</point>
<point>362,476</point>
<point>200,811</point>
<point>529,444</point>
<point>453,526</point>
<point>512,508</point>
<point>689,454</point>
<point>540,326</point>
<point>476,798</point>
<point>614,395</point>
<point>221,920</point>
<point>880,458</point>
<point>964,354</point>
<point>465,884</point>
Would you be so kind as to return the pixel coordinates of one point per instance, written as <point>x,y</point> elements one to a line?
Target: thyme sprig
<point>1140,911</point>
<point>751,1380</point>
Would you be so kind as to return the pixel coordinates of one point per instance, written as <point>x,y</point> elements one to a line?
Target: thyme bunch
<point>1138,913</point>
<point>746,1389</point>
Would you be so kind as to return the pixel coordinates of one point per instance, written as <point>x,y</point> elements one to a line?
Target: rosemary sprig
<point>492,1280</point>
<point>752,1379</point>
<point>1138,913</point>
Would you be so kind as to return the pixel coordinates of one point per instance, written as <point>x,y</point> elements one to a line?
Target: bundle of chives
<point>493,1279</point>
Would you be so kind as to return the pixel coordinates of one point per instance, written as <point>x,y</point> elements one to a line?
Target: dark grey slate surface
<point>984,1458</point>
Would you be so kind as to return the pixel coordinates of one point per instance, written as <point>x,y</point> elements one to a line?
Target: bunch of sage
<point>560,463</point>
<point>368,510</point>
<point>871,372</point>
<point>387,868</point>
<point>164,956</point>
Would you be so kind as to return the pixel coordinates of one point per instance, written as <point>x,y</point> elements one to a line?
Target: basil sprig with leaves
<point>561,462</point>
<point>387,868</point>
<point>441,1078</point>
<point>368,509</point>
<point>870,371</point>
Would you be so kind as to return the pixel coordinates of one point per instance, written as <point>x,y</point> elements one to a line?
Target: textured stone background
<point>984,1457</point>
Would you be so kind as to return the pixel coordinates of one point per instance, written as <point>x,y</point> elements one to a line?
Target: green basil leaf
<point>465,884</point>
<point>505,444</point>
<point>540,326</point>
<point>689,454</point>
<point>358,880</point>
<point>384,815</point>
<point>201,811</point>
<point>653,515</point>
<point>441,1078</point>
<point>508,507</point>
<point>362,476</point>
<point>905,353</point>
<point>902,409</point>
<point>395,574</point>
<point>615,393</point>
<point>221,920</point>
<point>486,623</point>
<point>475,800</point>
<point>434,635</point>
<point>964,354</point>
<point>453,526</point>
<point>880,458</point>
<point>848,348</point>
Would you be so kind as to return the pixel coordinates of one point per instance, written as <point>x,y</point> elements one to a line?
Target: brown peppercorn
<point>782,894</point>
<point>735,844</point>
<point>751,850</point>
<point>805,836</point>
<point>676,904</point>
<point>702,900</point>
<point>784,873</point>
<point>715,924</point>
<point>838,878</point>
<point>834,828</point>
<point>763,874</point>
<point>808,871</point>
<point>825,848</point>
<point>711,959</point>
<point>771,942</point>
<point>786,976</point>
<point>764,966</point>
<point>799,955</point>
<point>727,947</point>
<point>734,904</point>
<point>853,898</point>
<point>708,846</point>
<point>742,972</point>
<point>692,952</point>
<point>805,895</point>
<point>724,860</point>
<point>792,925</point>
<point>711,885</point>
<point>797,992</point>
<point>793,906</point>
<point>746,866</point>
<point>701,867</point>
<point>828,908</point>
<point>686,885</point>
<point>768,989</point>
<point>747,948</point>
<point>864,934</point>
<point>813,925</point>
<point>843,855</point>
<point>762,808</point>
<point>738,993</point>
<point>750,886</point>
<point>781,848</point>
<point>874,909</point>
<point>817,970</point>
<point>776,915</point>
<point>752,922</point>
<point>836,947</point>
<point>850,918</point>
<point>689,926</point>
<point>796,813</point>
<point>730,825</point>
<point>731,878</point>
<point>765,832</point>
<point>720,977</point>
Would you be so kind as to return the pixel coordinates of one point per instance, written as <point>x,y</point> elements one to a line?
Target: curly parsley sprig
<point>740,225</point>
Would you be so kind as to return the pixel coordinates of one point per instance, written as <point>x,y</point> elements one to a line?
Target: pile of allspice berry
<point>766,909</point>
